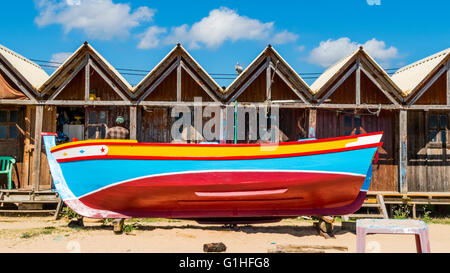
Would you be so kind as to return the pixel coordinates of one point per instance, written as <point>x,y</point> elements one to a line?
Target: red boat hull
<point>237,194</point>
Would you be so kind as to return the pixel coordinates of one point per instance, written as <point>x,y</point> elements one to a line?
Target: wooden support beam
<point>293,77</point>
<point>110,83</point>
<point>312,124</point>
<point>87,103</point>
<point>87,84</point>
<point>37,146</point>
<point>429,107</point>
<point>199,82</point>
<point>66,82</point>
<point>382,78</point>
<point>113,75</point>
<point>200,71</point>
<point>358,81</point>
<point>133,122</point>
<point>153,74</point>
<point>21,102</point>
<point>17,82</point>
<point>448,83</point>
<point>242,76</point>
<point>26,149</point>
<point>428,85</point>
<point>331,91</point>
<point>179,79</point>
<point>288,83</point>
<point>268,80</point>
<point>403,151</point>
<point>67,69</point>
<point>379,86</point>
<point>247,84</point>
<point>158,81</point>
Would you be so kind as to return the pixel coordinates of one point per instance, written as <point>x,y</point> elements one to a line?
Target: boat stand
<point>325,226</point>
<point>118,225</point>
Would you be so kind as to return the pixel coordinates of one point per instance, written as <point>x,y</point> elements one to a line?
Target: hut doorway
<point>12,132</point>
<point>70,124</point>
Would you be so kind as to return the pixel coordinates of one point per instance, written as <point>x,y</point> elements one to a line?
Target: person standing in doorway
<point>118,131</point>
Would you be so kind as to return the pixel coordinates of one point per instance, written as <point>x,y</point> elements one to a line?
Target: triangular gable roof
<point>334,71</point>
<point>76,58</point>
<point>161,67</point>
<point>32,74</point>
<point>293,77</point>
<point>412,76</point>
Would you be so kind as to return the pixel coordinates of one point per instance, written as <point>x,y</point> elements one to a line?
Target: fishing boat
<point>213,183</point>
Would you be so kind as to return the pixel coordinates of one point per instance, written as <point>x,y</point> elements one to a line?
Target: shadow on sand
<point>294,230</point>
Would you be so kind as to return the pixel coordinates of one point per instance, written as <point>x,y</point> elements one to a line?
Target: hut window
<point>352,125</point>
<point>8,124</point>
<point>437,128</point>
<point>96,127</point>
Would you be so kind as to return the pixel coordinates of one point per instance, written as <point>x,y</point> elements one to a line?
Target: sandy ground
<point>43,234</point>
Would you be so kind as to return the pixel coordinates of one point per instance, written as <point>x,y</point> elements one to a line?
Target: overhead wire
<point>217,76</point>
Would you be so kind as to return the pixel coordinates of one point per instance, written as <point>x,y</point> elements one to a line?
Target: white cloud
<point>330,51</point>
<point>224,24</point>
<point>150,39</point>
<point>378,50</point>
<point>100,19</point>
<point>60,57</point>
<point>284,37</point>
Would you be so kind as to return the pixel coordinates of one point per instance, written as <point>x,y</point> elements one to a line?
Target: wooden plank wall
<point>385,173</point>
<point>154,125</point>
<point>428,165</point>
<point>48,125</point>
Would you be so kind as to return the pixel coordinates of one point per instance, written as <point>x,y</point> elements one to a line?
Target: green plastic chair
<point>6,163</point>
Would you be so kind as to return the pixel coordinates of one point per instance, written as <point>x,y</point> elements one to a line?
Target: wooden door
<point>155,125</point>
<point>436,152</point>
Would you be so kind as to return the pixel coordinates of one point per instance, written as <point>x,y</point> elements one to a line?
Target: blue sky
<point>310,35</point>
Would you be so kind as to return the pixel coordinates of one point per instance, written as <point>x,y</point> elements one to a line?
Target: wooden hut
<point>270,80</point>
<point>19,80</point>
<point>354,96</point>
<point>424,124</point>
<point>81,99</point>
<point>178,80</point>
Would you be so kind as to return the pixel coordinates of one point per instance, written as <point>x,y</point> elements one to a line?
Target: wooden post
<point>268,81</point>
<point>403,134</point>
<point>312,123</point>
<point>448,83</point>
<point>37,146</point>
<point>27,148</point>
<point>358,81</point>
<point>133,122</point>
<point>179,80</point>
<point>87,75</point>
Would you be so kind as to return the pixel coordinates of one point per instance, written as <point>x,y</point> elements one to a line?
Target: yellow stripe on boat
<point>221,151</point>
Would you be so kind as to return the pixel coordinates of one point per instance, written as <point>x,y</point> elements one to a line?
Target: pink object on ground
<point>392,226</point>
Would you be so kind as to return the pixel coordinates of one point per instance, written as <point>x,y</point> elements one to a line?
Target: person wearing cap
<point>118,131</point>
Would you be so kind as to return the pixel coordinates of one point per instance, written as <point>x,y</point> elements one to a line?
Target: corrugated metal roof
<point>408,78</point>
<point>266,51</point>
<point>338,67</point>
<point>330,73</point>
<point>154,69</point>
<point>198,68</point>
<point>30,71</point>
<point>113,70</point>
<point>73,56</point>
